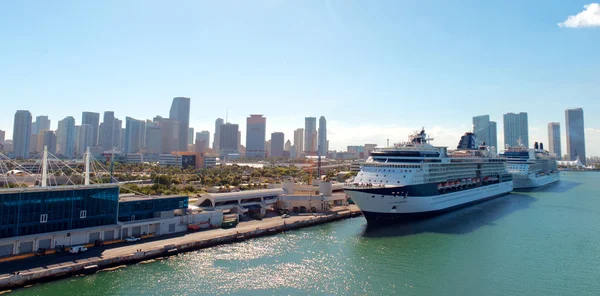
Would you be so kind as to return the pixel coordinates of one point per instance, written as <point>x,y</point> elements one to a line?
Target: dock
<point>47,268</point>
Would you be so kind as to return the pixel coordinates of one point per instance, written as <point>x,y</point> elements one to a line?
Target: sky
<point>376,70</point>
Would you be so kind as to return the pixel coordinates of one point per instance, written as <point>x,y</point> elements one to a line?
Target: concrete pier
<point>40,269</point>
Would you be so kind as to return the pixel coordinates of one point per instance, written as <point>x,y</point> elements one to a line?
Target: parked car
<point>131,239</point>
<point>77,249</point>
<point>284,216</point>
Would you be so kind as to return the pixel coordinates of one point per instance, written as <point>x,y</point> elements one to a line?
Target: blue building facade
<point>36,210</point>
<point>139,208</point>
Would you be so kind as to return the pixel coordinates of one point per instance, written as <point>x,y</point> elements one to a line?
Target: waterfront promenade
<point>37,269</point>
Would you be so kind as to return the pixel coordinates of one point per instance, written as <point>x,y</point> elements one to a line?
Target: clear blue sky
<point>375,69</point>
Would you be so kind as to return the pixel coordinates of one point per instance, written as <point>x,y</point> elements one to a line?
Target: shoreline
<point>145,251</point>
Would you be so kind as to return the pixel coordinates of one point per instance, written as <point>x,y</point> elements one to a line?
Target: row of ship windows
<point>393,171</point>
<point>400,166</point>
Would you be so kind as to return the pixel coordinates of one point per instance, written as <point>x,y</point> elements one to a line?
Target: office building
<point>205,137</point>
<point>485,130</point>
<point>41,123</point>
<point>154,141</point>
<point>93,119</point>
<point>229,139</point>
<point>47,139</point>
<point>322,136</point>
<point>217,141</point>
<point>277,142</point>
<point>191,136</point>
<point>84,137</point>
<point>310,135</point>
<point>180,111</point>
<point>515,129</point>
<point>554,139</point>
<point>298,143</point>
<point>118,134</point>
<point>575,134</point>
<point>65,137</point>
<point>33,147</point>
<point>288,146</point>
<point>256,126</point>
<point>106,137</point>
<point>22,134</point>
<point>170,132</point>
<point>134,135</point>
<point>2,136</point>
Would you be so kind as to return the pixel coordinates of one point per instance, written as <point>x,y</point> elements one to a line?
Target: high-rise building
<point>515,128</point>
<point>310,134</point>
<point>47,139</point>
<point>170,132</point>
<point>298,143</point>
<point>485,130</point>
<point>229,139</point>
<point>106,136</point>
<point>22,134</point>
<point>217,141</point>
<point>33,147</point>
<point>85,137</point>
<point>154,140</point>
<point>118,134</point>
<point>256,126</point>
<point>575,134</point>
<point>288,146</point>
<point>134,135</point>
<point>554,139</point>
<point>277,142</point>
<point>41,123</point>
<point>65,137</point>
<point>180,111</point>
<point>2,136</point>
<point>92,119</point>
<point>191,136</point>
<point>205,137</point>
<point>322,136</point>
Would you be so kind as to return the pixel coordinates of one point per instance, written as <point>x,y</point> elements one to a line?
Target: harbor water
<point>540,242</point>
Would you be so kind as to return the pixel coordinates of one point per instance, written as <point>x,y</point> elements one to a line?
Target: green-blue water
<point>544,242</point>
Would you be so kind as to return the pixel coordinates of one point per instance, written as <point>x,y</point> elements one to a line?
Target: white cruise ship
<point>531,167</point>
<point>416,180</point>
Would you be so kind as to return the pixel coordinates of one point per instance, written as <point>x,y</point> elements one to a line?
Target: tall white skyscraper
<point>298,143</point>
<point>554,139</point>
<point>310,134</point>
<point>65,137</point>
<point>180,111</point>
<point>575,134</point>
<point>322,136</point>
<point>22,134</point>
<point>515,128</point>
<point>485,130</point>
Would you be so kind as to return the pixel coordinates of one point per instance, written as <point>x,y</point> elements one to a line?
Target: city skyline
<point>329,58</point>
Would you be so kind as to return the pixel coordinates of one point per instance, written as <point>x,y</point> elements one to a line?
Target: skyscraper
<point>190,136</point>
<point>575,134</point>
<point>41,123</point>
<point>22,134</point>
<point>106,137</point>
<point>169,132</point>
<point>180,111</point>
<point>85,137</point>
<point>229,139</point>
<point>554,139</point>
<point>288,146</point>
<point>205,137</point>
<point>277,142</point>
<point>298,143</point>
<point>322,136</point>
<point>493,141</point>
<point>93,119</point>
<point>217,143</point>
<point>485,130</point>
<point>310,134</point>
<point>118,134</point>
<point>65,137</point>
<point>515,128</point>
<point>256,126</point>
<point>134,135</point>
<point>47,138</point>
<point>154,140</point>
<point>2,136</point>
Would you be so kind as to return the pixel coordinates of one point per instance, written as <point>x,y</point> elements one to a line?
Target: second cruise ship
<point>531,168</point>
<point>415,179</point>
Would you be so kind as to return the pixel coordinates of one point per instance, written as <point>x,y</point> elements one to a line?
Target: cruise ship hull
<point>414,202</point>
<point>531,181</point>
